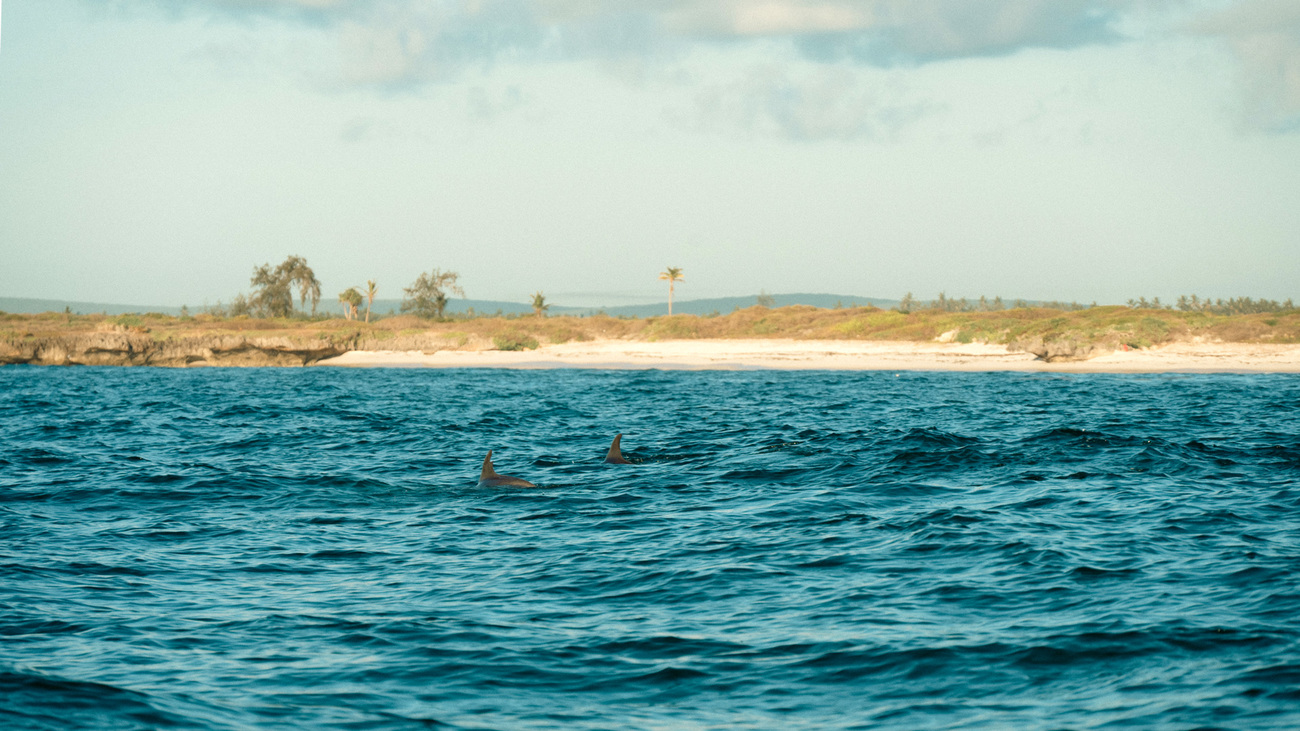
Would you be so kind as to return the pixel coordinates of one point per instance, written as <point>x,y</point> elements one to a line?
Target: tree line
<point>273,291</point>
<point>1230,306</point>
<point>1185,303</point>
<point>944,303</point>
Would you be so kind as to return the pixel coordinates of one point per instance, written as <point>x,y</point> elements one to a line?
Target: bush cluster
<point>515,341</point>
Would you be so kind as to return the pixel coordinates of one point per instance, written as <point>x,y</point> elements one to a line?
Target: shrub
<point>515,341</point>
<point>565,334</point>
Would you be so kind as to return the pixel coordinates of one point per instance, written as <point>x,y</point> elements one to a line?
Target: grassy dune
<point>1020,329</point>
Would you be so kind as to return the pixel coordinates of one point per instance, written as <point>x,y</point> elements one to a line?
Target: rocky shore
<point>126,347</point>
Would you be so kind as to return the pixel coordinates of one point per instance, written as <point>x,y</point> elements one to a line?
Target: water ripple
<point>290,548</point>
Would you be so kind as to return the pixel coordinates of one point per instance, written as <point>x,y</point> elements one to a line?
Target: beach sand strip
<point>836,355</point>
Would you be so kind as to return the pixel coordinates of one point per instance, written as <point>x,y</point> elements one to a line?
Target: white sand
<point>836,355</point>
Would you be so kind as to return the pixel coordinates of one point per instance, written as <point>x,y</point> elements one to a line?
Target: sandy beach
<point>837,355</point>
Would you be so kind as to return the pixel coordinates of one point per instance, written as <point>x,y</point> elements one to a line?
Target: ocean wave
<point>309,549</point>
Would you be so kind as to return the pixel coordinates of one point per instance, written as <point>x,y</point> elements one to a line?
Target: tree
<point>308,284</point>
<point>763,299</point>
<point>351,300</point>
<point>539,304</point>
<point>273,288</point>
<point>370,297</point>
<point>239,307</point>
<point>271,295</point>
<point>427,295</point>
<point>907,304</point>
<point>672,275</point>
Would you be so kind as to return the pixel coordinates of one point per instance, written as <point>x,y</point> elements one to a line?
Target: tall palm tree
<point>672,274</point>
<point>539,304</point>
<point>370,297</point>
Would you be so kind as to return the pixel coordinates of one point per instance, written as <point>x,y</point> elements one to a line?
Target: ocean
<point>307,548</point>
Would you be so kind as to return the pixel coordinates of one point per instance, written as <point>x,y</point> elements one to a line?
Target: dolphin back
<point>615,454</point>
<point>488,477</point>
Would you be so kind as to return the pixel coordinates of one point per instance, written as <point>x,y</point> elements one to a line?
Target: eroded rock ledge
<point>1061,348</point>
<point>138,348</point>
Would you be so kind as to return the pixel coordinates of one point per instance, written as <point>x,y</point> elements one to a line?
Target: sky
<point>156,151</point>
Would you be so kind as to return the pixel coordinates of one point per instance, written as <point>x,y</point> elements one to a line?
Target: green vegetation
<point>1111,327</point>
<point>515,340</point>
<point>1230,306</point>
<point>672,275</point>
<point>273,290</point>
<point>371,291</point>
<point>427,296</point>
<point>351,300</point>
<point>1052,331</point>
<point>945,303</point>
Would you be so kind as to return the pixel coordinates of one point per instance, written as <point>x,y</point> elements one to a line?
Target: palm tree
<point>539,304</point>
<point>672,274</point>
<point>370,297</point>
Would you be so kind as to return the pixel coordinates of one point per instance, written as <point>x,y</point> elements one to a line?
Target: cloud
<point>397,44</point>
<point>903,31</point>
<point>819,93</point>
<point>273,5</point>
<point>391,41</point>
<point>808,103</point>
<point>315,10</point>
<point>1265,36</point>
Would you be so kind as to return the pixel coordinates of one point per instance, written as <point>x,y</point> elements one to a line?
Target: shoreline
<point>840,355</point>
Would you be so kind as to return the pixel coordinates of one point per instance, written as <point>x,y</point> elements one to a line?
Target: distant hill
<point>720,305</point>
<point>723,305</point>
<point>459,307</point>
<point>26,305</point>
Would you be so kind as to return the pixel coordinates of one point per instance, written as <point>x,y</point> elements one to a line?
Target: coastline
<point>846,355</point>
<point>1097,339</point>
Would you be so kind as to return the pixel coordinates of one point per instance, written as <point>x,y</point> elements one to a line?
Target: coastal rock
<point>135,347</point>
<point>1060,349</point>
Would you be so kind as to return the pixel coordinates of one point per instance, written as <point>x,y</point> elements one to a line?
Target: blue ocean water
<point>287,549</point>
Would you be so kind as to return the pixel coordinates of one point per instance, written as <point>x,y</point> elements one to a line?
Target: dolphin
<point>489,477</point>
<point>615,455</point>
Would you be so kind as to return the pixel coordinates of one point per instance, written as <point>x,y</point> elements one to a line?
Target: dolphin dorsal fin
<point>615,455</point>
<point>487,467</point>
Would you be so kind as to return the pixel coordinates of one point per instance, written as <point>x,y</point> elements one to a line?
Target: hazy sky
<point>154,151</point>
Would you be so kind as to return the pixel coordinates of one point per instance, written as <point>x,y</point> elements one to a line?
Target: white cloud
<point>805,102</point>
<point>1265,36</point>
<point>888,31</point>
<point>868,31</point>
<point>404,43</point>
